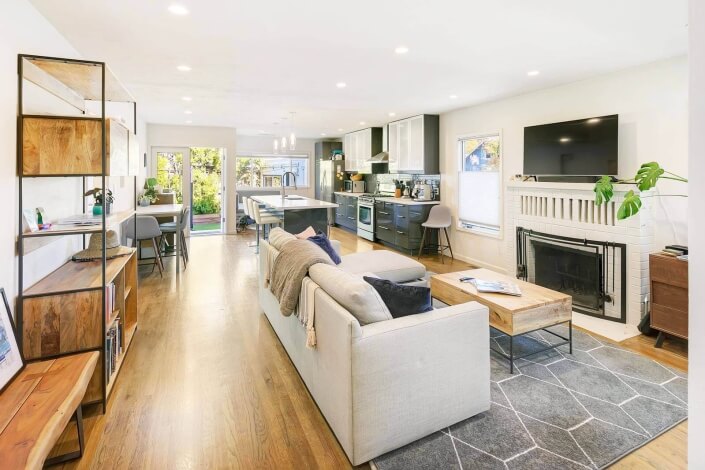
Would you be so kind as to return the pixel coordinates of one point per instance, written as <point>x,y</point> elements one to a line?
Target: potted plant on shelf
<point>646,178</point>
<point>97,194</point>
<point>149,195</point>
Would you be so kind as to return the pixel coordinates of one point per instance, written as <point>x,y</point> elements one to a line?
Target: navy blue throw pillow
<point>322,241</point>
<point>402,300</point>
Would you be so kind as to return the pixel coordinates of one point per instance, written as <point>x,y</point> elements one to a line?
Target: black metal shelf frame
<point>21,236</point>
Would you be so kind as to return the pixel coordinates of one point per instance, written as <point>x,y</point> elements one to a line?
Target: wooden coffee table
<point>536,309</point>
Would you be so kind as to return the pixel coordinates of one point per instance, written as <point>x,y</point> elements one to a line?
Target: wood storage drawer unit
<point>669,295</point>
<point>72,146</point>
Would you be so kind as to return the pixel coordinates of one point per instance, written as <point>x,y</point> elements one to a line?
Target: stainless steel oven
<point>366,217</point>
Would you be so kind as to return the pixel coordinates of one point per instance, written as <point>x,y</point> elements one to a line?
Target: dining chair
<point>147,229</point>
<point>170,227</point>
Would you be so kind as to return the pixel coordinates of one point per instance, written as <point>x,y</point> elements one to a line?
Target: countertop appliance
<point>354,186</point>
<point>425,192</point>
<point>329,178</point>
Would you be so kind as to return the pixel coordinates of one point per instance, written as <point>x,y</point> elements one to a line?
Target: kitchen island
<point>298,212</point>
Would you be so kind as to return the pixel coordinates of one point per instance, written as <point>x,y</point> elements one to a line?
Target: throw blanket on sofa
<point>306,311</point>
<point>289,269</point>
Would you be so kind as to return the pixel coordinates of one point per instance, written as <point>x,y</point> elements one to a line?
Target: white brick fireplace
<point>569,210</point>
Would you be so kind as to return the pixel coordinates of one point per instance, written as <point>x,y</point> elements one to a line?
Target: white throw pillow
<point>278,237</point>
<point>352,292</point>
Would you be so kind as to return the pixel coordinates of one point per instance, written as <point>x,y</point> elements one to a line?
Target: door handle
<point>402,216</point>
<point>385,213</point>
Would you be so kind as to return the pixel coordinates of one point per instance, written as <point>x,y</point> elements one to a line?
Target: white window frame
<point>478,229</point>
<point>290,156</point>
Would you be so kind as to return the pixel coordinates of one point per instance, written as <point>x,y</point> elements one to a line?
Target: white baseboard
<point>482,264</point>
<point>609,329</point>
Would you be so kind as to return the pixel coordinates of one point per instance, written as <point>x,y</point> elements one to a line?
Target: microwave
<point>354,186</point>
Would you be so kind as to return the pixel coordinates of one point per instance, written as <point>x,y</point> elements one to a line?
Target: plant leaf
<point>630,206</point>
<point>603,190</point>
<point>648,175</point>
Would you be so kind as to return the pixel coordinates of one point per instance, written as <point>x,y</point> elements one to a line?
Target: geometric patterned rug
<point>557,411</point>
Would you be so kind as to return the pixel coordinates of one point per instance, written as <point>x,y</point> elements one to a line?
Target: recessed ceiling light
<point>532,73</point>
<point>183,68</point>
<point>392,114</point>
<point>453,97</point>
<point>340,130</point>
<point>341,84</point>
<point>362,123</point>
<point>323,133</point>
<point>186,98</point>
<point>593,120</point>
<point>565,139</point>
<point>401,50</point>
<point>188,111</point>
<point>189,122</point>
<point>179,10</point>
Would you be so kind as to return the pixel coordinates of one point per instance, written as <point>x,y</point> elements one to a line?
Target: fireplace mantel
<point>618,188</point>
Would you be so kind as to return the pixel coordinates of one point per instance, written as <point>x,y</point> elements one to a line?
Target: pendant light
<point>283,143</point>
<point>292,136</point>
<point>276,140</point>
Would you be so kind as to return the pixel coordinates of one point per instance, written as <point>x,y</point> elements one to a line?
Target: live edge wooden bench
<point>37,406</point>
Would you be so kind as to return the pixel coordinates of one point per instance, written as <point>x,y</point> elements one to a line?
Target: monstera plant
<point>645,179</point>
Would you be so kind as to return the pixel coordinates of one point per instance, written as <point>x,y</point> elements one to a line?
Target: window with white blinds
<point>480,184</point>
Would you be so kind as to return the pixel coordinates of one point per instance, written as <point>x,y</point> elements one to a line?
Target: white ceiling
<point>254,62</point>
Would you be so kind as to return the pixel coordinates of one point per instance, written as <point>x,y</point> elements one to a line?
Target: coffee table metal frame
<point>511,357</point>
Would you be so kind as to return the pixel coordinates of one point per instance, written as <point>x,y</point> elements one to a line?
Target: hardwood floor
<point>207,384</point>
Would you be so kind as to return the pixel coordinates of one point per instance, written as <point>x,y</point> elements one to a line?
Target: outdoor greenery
<point>646,178</point>
<point>170,170</point>
<point>266,172</point>
<point>206,169</point>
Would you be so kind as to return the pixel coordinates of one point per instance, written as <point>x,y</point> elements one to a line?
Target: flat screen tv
<point>585,147</point>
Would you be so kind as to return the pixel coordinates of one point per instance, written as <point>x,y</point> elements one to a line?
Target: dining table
<point>167,210</point>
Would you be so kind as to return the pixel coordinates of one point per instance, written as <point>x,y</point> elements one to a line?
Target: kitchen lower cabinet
<point>399,225</point>
<point>346,212</point>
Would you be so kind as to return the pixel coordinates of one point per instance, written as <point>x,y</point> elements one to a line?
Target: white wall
<point>696,271</point>
<point>161,135</point>
<point>263,144</point>
<point>652,103</point>
<point>24,30</point>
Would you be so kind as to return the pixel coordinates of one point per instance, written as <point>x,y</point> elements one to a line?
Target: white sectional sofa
<point>383,385</point>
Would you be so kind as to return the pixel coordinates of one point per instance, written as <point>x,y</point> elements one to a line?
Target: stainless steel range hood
<point>381,157</point>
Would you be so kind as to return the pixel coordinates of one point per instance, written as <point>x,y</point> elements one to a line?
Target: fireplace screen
<point>591,272</point>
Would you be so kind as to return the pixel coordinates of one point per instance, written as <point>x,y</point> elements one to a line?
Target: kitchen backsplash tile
<point>433,180</point>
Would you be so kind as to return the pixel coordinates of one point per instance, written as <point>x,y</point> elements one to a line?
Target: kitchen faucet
<point>284,185</point>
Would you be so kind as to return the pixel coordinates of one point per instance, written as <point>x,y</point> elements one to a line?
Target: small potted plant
<point>149,195</point>
<point>97,194</point>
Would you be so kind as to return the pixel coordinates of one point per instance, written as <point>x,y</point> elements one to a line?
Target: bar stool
<point>170,227</point>
<point>262,219</point>
<point>147,229</point>
<point>439,218</point>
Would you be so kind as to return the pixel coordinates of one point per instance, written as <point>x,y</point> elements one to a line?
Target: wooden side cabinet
<point>669,296</point>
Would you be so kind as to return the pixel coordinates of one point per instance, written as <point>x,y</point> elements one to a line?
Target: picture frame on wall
<point>11,360</point>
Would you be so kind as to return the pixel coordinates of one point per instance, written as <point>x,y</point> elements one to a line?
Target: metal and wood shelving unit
<point>66,312</point>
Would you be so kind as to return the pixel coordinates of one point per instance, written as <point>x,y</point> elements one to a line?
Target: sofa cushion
<point>321,240</point>
<point>402,300</point>
<point>352,292</point>
<point>384,263</point>
<point>278,237</point>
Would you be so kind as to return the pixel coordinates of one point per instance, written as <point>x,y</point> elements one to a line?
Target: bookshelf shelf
<point>73,276</point>
<point>80,306</point>
<point>112,220</point>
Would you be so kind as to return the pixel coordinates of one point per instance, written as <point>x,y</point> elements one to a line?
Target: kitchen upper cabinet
<point>359,147</point>
<point>414,145</point>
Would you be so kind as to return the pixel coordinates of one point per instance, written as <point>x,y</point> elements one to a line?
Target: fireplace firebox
<point>592,272</point>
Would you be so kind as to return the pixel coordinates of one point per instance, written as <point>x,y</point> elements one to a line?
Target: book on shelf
<point>110,293</point>
<point>113,348</point>
<point>496,287</point>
